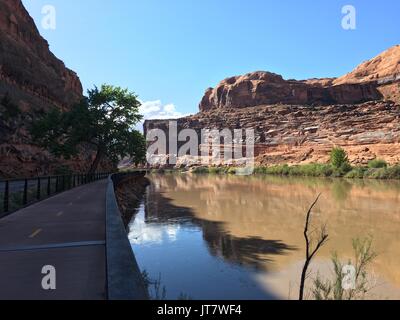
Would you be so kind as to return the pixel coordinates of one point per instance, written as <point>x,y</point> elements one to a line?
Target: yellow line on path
<point>35,233</point>
<point>60,214</point>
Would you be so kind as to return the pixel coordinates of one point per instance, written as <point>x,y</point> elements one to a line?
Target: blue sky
<point>170,51</point>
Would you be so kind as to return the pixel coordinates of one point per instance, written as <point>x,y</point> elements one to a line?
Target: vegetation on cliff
<point>104,120</point>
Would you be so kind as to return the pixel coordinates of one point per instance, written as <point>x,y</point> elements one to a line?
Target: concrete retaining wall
<point>124,279</point>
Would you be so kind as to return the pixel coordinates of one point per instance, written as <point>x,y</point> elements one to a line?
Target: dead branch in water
<point>311,252</point>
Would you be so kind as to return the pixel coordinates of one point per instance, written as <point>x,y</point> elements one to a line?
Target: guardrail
<point>18,193</point>
<point>124,279</point>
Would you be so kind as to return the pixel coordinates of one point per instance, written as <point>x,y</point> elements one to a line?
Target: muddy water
<point>228,237</point>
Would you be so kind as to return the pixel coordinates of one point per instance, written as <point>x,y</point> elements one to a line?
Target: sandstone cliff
<point>300,121</point>
<point>373,80</point>
<point>32,81</point>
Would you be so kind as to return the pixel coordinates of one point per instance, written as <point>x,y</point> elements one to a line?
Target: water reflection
<point>246,232</point>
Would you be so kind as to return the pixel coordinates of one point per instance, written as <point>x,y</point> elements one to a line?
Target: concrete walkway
<point>66,231</point>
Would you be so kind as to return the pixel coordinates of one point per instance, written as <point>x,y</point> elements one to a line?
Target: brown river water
<point>230,237</point>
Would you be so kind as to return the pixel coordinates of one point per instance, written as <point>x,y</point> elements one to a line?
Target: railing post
<point>38,189</point>
<point>73,181</point>
<point>63,183</point>
<point>6,194</point>
<point>48,186</point>
<point>57,183</point>
<point>25,200</point>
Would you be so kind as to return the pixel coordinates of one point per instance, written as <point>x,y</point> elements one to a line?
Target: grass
<point>375,170</point>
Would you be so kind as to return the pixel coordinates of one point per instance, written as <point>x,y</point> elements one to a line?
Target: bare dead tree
<point>320,240</point>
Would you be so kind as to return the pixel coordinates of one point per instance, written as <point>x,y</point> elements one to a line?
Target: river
<point>230,237</point>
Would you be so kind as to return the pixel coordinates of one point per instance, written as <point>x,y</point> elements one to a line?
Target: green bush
<point>338,158</point>
<point>232,170</point>
<point>377,163</point>
<point>282,170</point>
<point>260,170</point>
<point>356,173</point>
<point>394,172</point>
<point>344,169</point>
<point>217,170</point>
<point>200,170</point>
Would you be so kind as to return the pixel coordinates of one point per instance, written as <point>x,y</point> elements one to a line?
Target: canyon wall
<point>301,121</point>
<point>32,82</point>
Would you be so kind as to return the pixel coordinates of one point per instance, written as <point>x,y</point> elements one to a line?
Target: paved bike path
<point>66,231</point>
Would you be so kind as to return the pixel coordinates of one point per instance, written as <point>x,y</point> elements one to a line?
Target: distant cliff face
<point>260,88</point>
<point>373,80</point>
<point>32,81</point>
<point>301,121</point>
<point>29,72</point>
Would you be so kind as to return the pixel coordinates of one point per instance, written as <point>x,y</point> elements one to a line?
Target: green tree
<point>339,158</point>
<point>105,120</point>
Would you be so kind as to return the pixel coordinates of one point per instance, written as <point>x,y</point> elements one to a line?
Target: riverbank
<point>376,170</point>
<point>129,194</point>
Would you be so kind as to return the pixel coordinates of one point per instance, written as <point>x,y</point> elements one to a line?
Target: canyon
<point>32,82</point>
<point>298,122</point>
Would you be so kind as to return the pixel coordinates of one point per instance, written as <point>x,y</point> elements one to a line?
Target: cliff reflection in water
<point>256,224</point>
<point>249,251</point>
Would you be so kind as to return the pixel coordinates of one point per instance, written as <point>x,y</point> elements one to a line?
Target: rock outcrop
<point>367,82</point>
<point>29,72</point>
<point>300,121</point>
<point>32,81</point>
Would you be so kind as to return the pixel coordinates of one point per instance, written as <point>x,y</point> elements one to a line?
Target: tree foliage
<point>339,158</point>
<point>105,120</point>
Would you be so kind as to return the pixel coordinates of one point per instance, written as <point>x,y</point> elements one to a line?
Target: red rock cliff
<point>301,121</point>
<point>29,72</point>
<point>32,81</point>
<point>373,80</point>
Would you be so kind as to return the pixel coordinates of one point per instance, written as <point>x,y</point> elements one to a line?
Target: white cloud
<point>152,110</point>
<point>156,110</point>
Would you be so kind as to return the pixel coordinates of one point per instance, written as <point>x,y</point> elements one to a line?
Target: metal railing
<point>18,193</point>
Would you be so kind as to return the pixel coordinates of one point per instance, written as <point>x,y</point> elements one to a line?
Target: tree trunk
<point>303,279</point>
<point>96,162</point>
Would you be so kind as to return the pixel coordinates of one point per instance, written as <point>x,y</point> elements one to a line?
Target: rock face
<point>367,82</point>
<point>300,121</point>
<point>293,134</point>
<point>384,67</point>
<point>32,81</point>
<point>260,88</point>
<point>28,70</point>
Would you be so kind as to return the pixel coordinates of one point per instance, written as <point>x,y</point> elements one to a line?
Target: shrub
<point>217,170</point>
<point>380,173</point>
<point>232,171</point>
<point>356,173</point>
<point>394,172</point>
<point>199,170</point>
<point>260,170</point>
<point>338,157</point>
<point>278,170</point>
<point>377,163</point>
<point>345,168</point>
